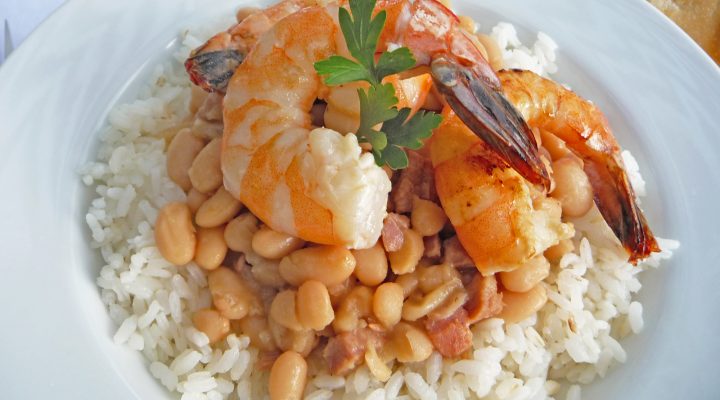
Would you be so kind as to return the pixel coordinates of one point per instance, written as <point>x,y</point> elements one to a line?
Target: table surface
<point>699,18</point>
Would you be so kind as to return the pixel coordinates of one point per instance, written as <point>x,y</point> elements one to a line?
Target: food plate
<point>658,89</point>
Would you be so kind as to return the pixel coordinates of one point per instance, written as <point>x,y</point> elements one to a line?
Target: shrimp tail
<point>211,65</point>
<point>585,130</point>
<point>212,70</point>
<point>615,199</point>
<point>481,105</point>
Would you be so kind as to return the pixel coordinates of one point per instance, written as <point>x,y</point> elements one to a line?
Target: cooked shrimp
<point>466,80</point>
<point>584,129</point>
<point>317,184</point>
<point>270,159</point>
<point>436,38</point>
<point>211,65</point>
<point>500,218</point>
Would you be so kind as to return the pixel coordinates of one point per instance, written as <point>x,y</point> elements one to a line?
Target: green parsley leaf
<point>350,32</point>
<point>392,62</point>
<point>377,139</point>
<point>408,133</point>
<point>374,31</point>
<point>378,104</point>
<point>403,132</point>
<point>393,156</point>
<point>361,31</point>
<point>339,70</point>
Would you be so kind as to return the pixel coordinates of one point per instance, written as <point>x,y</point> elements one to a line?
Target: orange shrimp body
<point>583,127</point>
<point>501,220</point>
<point>312,183</point>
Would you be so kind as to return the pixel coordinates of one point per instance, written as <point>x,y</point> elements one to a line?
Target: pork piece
<point>417,179</point>
<point>485,300</point>
<point>455,255</point>
<point>393,231</point>
<point>433,248</point>
<point>450,336</point>
<point>345,351</point>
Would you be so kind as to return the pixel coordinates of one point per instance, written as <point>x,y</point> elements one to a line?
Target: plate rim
<point>9,67</point>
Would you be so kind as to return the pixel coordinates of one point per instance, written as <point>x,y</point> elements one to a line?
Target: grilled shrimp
<point>313,184</point>
<point>211,65</point>
<point>583,127</point>
<point>270,158</point>
<point>433,33</point>
<point>500,218</point>
<point>465,79</point>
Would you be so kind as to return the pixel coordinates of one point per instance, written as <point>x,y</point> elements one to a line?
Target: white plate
<point>660,92</point>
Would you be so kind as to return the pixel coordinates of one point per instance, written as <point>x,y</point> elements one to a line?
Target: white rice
<point>540,58</point>
<point>571,341</point>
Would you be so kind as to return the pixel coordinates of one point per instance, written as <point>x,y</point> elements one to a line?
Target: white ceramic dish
<point>660,92</point>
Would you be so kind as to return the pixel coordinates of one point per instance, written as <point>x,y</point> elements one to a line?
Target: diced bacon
<point>393,232</point>
<point>455,255</point>
<point>345,351</point>
<point>485,299</point>
<point>417,179</point>
<point>433,248</point>
<point>450,336</point>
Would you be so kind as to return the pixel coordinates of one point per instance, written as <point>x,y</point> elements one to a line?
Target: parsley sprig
<point>378,104</point>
